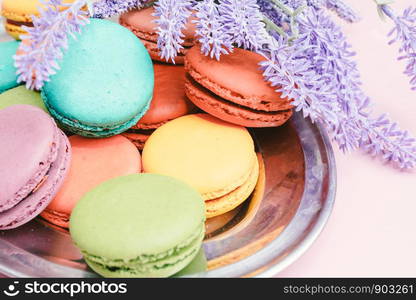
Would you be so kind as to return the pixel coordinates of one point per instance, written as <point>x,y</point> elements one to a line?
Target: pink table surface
<point>371,232</point>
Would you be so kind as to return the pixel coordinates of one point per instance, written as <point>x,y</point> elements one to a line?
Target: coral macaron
<point>34,160</point>
<point>215,157</point>
<point>102,88</point>
<point>169,102</point>
<point>142,24</point>
<point>93,162</point>
<point>233,89</point>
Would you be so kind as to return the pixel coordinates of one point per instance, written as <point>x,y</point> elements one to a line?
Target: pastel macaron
<point>140,225</point>
<point>102,88</point>
<point>19,13</point>
<point>21,95</point>
<point>169,102</point>
<point>142,24</point>
<point>234,90</point>
<point>217,158</point>
<point>93,162</point>
<point>34,159</point>
<point>8,77</point>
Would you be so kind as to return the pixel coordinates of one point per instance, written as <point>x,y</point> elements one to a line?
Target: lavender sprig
<point>43,45</point>
<point>173,16</point>
<point>343,10</point>
<point>108,8</point>
<point>318,73</point>
<point>214,40</point>
<point>404,31</point>
<point>243,23</point>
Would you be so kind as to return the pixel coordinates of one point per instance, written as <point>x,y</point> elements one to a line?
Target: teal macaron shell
<point>8,77</point>
<point>140,225</point>
<point>104,84</point>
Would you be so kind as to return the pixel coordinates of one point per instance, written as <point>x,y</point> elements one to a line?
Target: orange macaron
<point>234,89</point>
<point>93,162</point>
<point>169,102</point>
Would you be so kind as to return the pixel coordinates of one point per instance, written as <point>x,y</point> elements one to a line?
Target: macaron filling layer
<point>38,178</point>
<point>18,23</point>
<point>149,263</point>
<point>31,206</point>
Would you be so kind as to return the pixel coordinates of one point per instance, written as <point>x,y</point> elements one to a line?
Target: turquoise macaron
<point>104,84</point>
<point>139,225</point>
<point>8,77</point>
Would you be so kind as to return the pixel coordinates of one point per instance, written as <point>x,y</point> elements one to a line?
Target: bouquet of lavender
<point>306,56</point>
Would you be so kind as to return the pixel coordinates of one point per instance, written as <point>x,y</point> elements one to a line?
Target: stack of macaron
<point>131,214</point>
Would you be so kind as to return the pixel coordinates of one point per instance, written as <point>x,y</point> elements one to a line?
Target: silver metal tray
<point>285,214</point>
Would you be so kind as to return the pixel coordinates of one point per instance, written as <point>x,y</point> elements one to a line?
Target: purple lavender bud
<point>214,40</point>
<point>243,23</point>
<point>46,41</point>
<point>173,17</point>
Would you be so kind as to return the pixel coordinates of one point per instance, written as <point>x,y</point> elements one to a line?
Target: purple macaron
<point>34,159</point>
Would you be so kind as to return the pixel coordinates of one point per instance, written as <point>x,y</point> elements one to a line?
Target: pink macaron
<point>34,160</point>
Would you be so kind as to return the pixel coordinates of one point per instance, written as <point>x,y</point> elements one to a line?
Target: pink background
<point>371,232</point>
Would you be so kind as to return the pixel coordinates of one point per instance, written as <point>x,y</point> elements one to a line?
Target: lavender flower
<point>318,73</point>
<point>404,31</point>
<point>43,45</point>
<point>243,23</point>
<point>214,40</point>
<point>173,16</point>
<point>342,10</point>
<point>109,8</point>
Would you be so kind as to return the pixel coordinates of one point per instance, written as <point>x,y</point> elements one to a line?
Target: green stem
<point>286,9</point>
<point>271,25</point>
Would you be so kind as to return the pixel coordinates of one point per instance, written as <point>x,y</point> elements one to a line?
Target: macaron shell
<point>93,162</point>
<point>169,100</point>
<point>21,126</point>
<point>21,95</point>
<point>138,139</point>
<point>113,89</point>
<point>236,77</point>
<point>137,216</point>
<point>22,10</point>
<point>231,200</point>
<point>142,23</point>
<point>33,205</point>
<point>164,267</point>
<point>211,155</point>
<point>154,53</point>
<point>230,112</point>
<point>8,77</point>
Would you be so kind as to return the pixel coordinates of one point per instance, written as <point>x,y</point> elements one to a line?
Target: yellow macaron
<point>215,157</point>
<point>18,13</point>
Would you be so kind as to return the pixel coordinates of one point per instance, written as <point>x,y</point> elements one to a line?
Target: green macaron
<point>104,84</point>
<point>140,225</point>
<point>21,95</point>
